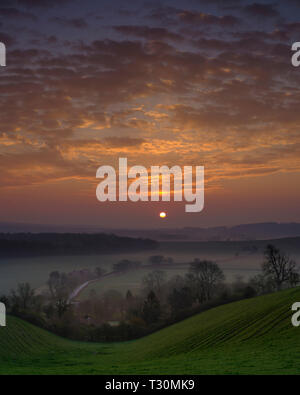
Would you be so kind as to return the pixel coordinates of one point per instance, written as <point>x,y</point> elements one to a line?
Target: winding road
<point>81,287</point>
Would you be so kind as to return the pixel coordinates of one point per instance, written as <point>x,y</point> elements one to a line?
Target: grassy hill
<point>254,336</point>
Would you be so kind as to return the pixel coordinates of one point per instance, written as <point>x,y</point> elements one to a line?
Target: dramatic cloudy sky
<point>193,82</point>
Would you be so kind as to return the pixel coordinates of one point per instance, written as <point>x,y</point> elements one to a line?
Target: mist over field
<point>235,259</point>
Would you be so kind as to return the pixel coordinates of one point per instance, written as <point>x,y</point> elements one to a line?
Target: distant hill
<point>266,230</point>
<point>253,336</point>
<point>290,245</point>
<point>256,231</point>
<point>259,231</point>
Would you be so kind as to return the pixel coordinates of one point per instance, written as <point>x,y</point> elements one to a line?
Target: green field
<point>253,336</point>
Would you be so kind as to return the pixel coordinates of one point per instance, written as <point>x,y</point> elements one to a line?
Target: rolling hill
<point>253,336</point>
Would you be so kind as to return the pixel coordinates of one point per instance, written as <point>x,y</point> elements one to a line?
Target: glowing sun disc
<point>162,214</point>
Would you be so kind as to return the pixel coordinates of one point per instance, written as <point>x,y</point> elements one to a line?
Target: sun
<point>162,214</point>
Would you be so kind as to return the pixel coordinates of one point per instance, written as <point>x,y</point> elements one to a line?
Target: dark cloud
<point>255,35</point>
<point>293,2</point>
<point>149,33</point>
<point>7,39</point>
<point>291,27</point>
<point>262,10</point>
<point>165,15</point>
<point>14,13</point>
<point>77,23</point>
<point>42,3</point>
<point>194,17</point>
<point>220,3</point>
<point>119,142</point>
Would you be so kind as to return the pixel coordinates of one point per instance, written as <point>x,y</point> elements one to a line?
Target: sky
<point>189,83</point>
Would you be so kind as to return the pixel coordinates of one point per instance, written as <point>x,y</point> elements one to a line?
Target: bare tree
<point>24,296</point>
<point>57,284</point>
<point>62,306</point>
<point>154,281</point>
<point>99,272</point>
<point>262,284</point>
<point>205,275</point>
<point>279,266</point>
<point>294,279</point>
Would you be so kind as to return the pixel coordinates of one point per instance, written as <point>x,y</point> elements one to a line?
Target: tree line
<point>161,301</point>
<point>40,244</point>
